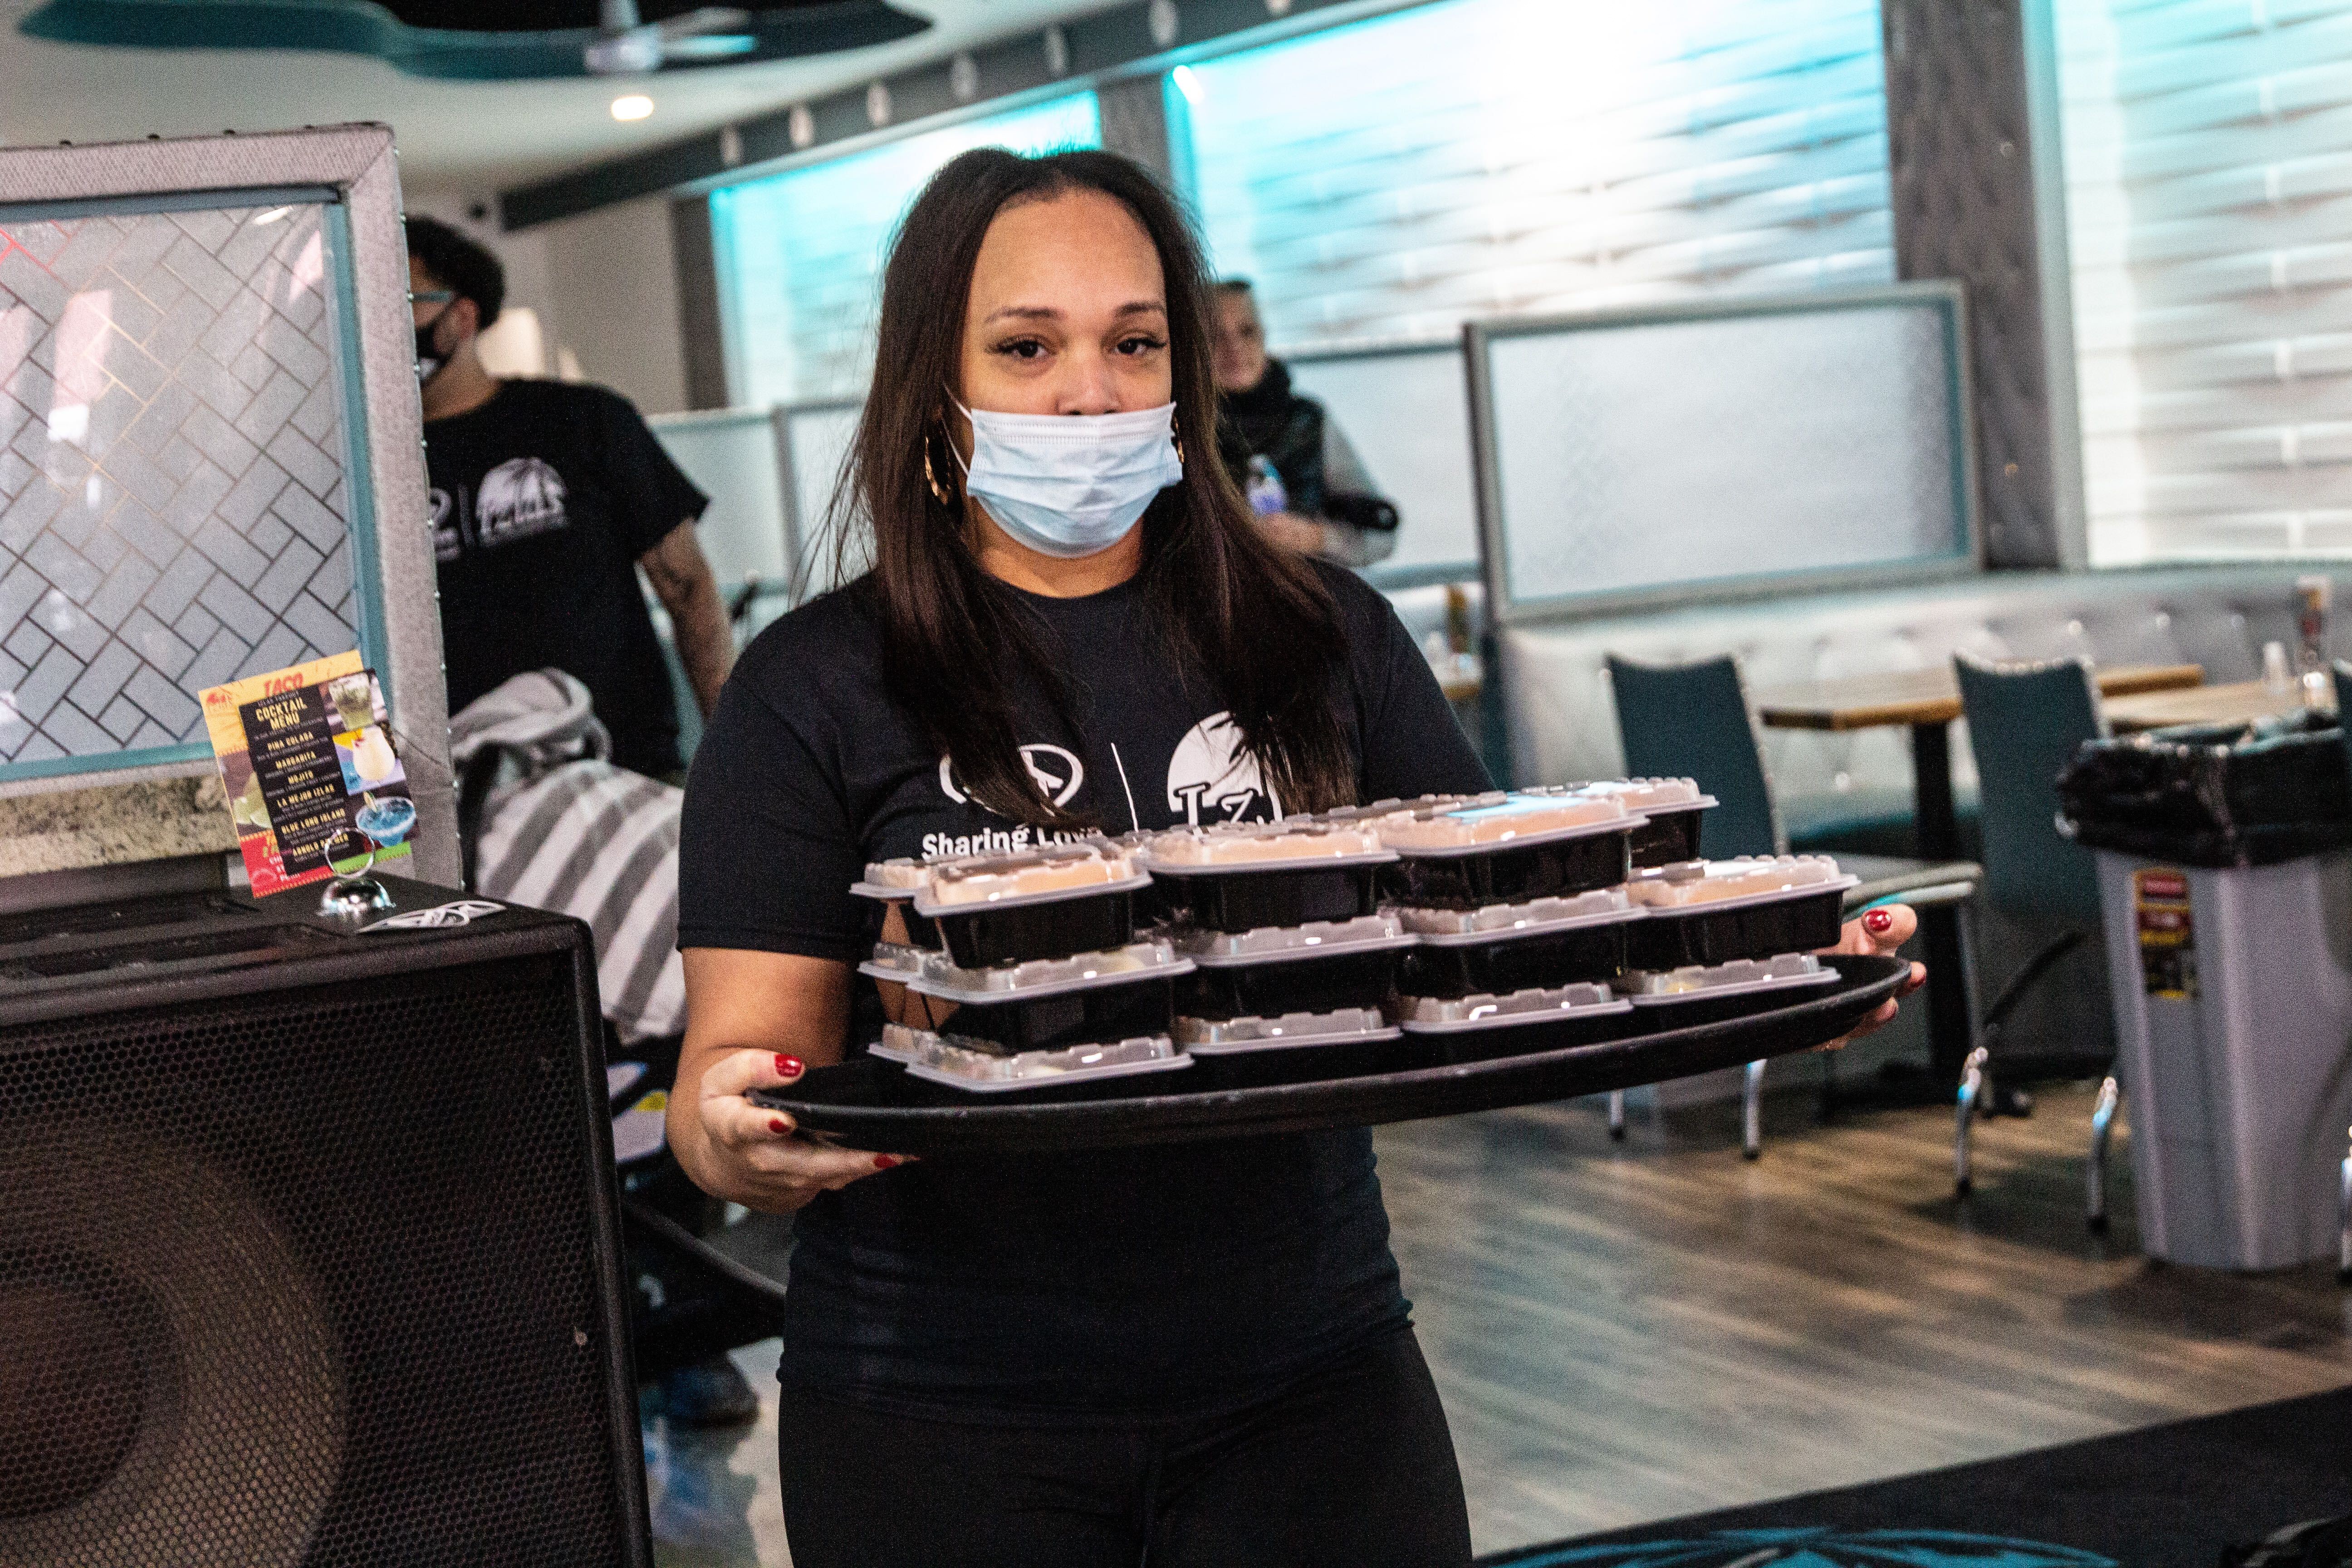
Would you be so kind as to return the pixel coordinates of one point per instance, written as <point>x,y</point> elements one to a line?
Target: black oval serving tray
<point>867,1103</point>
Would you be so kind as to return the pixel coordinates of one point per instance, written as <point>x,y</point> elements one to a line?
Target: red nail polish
<point>884,1161</point>
<point>1878,922</point>
<point>789,1067</point>
<point>778,1124</point>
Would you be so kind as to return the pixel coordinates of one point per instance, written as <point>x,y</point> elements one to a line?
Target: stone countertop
<point>152,819</point>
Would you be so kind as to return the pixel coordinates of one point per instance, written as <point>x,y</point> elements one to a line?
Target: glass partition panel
<point>173,454</point>
<point>1406,412</point>
<point>1657,456</point>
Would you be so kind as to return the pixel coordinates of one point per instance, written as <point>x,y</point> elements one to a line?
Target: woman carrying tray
<point>1200,1351</point>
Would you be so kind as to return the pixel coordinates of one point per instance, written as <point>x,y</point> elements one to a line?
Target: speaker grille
<point>308,1277</point>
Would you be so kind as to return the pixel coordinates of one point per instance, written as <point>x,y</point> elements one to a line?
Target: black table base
<point>868,1103</point>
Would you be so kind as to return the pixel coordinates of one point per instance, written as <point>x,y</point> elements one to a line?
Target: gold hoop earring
<point>946,498</point>
<point>1177,436</point>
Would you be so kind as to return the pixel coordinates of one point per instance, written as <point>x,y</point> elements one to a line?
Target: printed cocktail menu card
<point>313,782</point>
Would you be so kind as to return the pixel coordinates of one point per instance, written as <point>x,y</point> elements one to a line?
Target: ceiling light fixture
<point>1187,84</point>
<point>632,106</point>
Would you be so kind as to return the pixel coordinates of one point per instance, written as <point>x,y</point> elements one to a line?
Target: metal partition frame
<point>774,418</point>
<point>354,168</point>
<point>802,534</point>
<point>1384,575</point>
<point>1945,297</point>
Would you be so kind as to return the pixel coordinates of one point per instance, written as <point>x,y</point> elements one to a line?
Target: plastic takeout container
<point>961,1064</point>
<point>1381,932</point>
<point>1535,1019</point>
<point>1505,848</point>
<point>1134,1007</point>
<point>1319,967</point>
<point>940,975</point>
<point>1696,994</point>
<point>1671,809</point>
<point>1242,877</point>
<point>1046,902</point>
<point>1235,1037</point>
<point>1504,948</point>
<point>1711,911</point>
<point>895,883</point>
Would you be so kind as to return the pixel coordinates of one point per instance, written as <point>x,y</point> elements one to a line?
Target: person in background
<point>546,497</point>
<point>1309,489</point>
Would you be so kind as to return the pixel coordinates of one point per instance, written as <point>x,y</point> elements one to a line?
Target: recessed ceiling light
<point>1187,84</point>
<point>632,106</point>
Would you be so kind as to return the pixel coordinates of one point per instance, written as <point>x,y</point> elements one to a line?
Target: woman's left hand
<point>1879,930</point>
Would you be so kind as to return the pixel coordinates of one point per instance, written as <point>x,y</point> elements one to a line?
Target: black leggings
<point>1352,1468</point>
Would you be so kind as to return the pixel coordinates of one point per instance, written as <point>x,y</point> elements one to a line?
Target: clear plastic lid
<point>1500,820</point>
<point>1028,877</point>
<point>1492,922</point>
<point>1230,1036</point>
<point>1292,844</point>
<point>1394,806</point>
<point>973,1065</point>
<point>1444,1015</point>
<point>894,960</point>
<point>939,976</point>
<point>1651,795</point>
<point>894,881</point>
<point>1276,944</point>
<point>1749,879</point>
<point>1697,982</point>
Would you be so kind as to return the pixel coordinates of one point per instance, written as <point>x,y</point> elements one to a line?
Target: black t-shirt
<point>1078,1286</point>
<point>544,497</point>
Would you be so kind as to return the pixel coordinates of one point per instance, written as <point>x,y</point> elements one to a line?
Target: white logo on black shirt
<point>1214,777</point>
<point>1058,774</point>
<point>518,498</point>
<point>449,537</point>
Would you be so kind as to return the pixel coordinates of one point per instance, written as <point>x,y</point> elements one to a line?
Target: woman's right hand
<point>755,1156</point>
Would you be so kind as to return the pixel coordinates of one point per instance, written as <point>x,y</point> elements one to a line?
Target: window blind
<point>2207,148</point>
<point>799,254</point>
<point>1391,178</point>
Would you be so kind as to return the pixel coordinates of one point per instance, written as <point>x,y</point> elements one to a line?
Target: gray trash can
<point>2226,900</point>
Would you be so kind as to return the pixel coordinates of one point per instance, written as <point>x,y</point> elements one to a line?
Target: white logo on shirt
<point>1058,774</point>
<point>1214,777</point>
<point>520,497</point>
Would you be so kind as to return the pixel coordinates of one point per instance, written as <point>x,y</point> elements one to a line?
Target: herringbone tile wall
<point>172,511</point>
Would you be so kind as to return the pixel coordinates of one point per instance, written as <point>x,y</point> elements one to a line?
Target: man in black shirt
<point>545,499</point>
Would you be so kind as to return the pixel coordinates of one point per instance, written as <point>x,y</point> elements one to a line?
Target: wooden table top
<point>2237,702</point>
<point>1930,696</point>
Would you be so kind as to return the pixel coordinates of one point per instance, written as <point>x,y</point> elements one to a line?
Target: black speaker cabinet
<point>309,1252</point>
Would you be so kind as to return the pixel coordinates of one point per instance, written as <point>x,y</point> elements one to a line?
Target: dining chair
<point>1695,722</point>
<point>2026,722</point>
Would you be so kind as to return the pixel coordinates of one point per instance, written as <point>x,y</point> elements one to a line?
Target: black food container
<point>1671,808</point>
<point>920,933</point>
<point>1797,907</point>
<point>1484,1028</point>
<point>1016,928</point>
<point>1536,956</point>
<point>1365,978</point>
<point>1132,1009</point>
<point>1252,877</point>
<point>1506,848</point>
<point>1678,999</point>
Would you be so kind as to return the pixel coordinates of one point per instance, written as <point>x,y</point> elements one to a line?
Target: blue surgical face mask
<point>1071,485</point>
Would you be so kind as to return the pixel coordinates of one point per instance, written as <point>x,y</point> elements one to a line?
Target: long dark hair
<point>1255,619</point>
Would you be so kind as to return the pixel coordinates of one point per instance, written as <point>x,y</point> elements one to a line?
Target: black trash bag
<point>2215,796</point>
<point>2318,1543</point>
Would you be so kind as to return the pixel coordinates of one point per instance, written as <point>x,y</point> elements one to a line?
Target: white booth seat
<point>1562,723</point>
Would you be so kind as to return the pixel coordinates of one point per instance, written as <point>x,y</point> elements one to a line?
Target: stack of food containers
<point>1518,904</point>
<point>1722,937</point>
<point>1026,968</point>
<point>1283,924</point>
